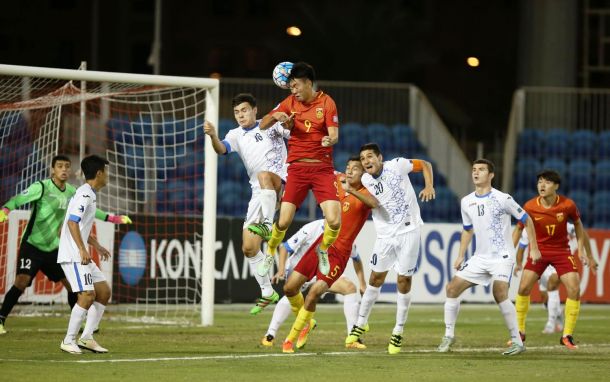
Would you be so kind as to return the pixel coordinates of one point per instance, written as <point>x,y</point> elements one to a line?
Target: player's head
<point>94,169</point>
<point>548,182</point>
<point>483,171</point>
<point>244,109</point>
<point>60,168</point>
<point>371,158</point>
<point>354,171</point>
<point>301,81</point>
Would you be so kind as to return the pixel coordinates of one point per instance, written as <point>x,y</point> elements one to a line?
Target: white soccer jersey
<point>81,209</point>
<point>489,215</point>
<point>398,210</point>
<point>301,241</point>
<point>259,150</point>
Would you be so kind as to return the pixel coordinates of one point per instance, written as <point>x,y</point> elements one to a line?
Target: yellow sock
<point>276,238</point>
<point>572,311</point>
<point>296,303</point>
<point>522,305</point>
<point>302,319</point>
<point>329,236</point>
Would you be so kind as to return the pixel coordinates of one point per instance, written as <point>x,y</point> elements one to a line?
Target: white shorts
<point>82,277</point>
<point>544,278</point>
<point>399,253</point>
<point>482,270</point>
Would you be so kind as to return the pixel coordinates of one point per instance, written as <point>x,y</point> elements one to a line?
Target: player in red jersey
<point>550,213</point>
<point>356,205</point>
<point>315,129</point>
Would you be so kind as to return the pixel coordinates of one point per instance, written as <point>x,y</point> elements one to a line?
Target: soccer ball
<point>281,73</point>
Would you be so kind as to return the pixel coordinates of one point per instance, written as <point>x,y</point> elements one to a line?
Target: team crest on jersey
<point>345,206</point>
<point>319,112</point>
<point>560,217</point>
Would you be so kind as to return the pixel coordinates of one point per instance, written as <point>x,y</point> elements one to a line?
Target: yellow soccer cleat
<point>267,340</point>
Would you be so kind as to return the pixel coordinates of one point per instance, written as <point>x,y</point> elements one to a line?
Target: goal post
<point>149,127</point>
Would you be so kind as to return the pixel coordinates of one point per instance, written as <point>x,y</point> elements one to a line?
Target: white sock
<point>452,308</point>
<point>371,294</point>
<point>76,318</point>
<point>553,306</point>
<point>280,314</point>
<point>351,305</point>
<point>94,316</point>
<point>263,281</point>
<point>403,302</point>
<point>507,308</point>
<point>268,200</point>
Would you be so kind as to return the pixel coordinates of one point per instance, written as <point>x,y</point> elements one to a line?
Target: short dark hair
<point>91,165</point>
<point>490,165</point>
<point>302,70</point>
<point>551,175</point>
<point>58,158</point>
<point>371,146</point>
<point>353,158</point>
<point>244,97</point>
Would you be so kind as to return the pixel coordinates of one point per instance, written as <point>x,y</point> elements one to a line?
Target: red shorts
<point>308,265</point>
<point>563,261</point>
<point>304,176</point>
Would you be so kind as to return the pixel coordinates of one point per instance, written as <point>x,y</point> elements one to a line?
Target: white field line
<point>583,348</point>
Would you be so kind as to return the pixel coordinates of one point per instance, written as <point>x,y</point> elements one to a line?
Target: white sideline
<point>588,348</point>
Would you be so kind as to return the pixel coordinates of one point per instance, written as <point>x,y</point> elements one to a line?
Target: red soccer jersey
<point>353,216</point>
<point>552,223</point>
<point>311,122</point>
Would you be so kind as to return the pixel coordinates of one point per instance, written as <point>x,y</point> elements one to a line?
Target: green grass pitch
<point>231,350</point>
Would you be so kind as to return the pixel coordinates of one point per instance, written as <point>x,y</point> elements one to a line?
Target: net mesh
<point>153,139</point>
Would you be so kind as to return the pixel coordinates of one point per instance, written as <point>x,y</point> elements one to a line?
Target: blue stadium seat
<point>556,164</point>
<point>522,195</point>
<point>603,145</point>
<point>580,175</point>
<point>381,134</point>
<point>340,160</point>
<point>404,139</point>
<point>602,175</point>
<point>583,202</point>
<point>352,135</point>
<point>601,209</point>
<point>556,143</point>
<point>529,143</point>
<point>582,143</point>
<point>224,125</point>
<point>525,172</point>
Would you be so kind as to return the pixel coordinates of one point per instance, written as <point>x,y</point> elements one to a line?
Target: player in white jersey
<point>296,247</point>
<point>486,214</point>
<point>263,153</point>
<point>549,282</point>
<point>397,222</point>
<point>82,273</point>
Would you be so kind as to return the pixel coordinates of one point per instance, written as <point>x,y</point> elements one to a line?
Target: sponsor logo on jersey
<point>81,208</point>
<point>319,112</point>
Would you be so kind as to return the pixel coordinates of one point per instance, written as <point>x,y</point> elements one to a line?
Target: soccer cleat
<point>263,267</point>
<point>568,341</point>
<point>445,345</point>
<point>261,229</point>
<point>267,340</point>
<point>302,340</point>
<point>71,348</point>
<point>355,333</point>
<point>509,343</point>
<point>287,347</point>
<point>262,303</point>
<point>356,345</point>
<point>91,345</point>
<point>549,328</point>
<point>514,349</point>
<point>323,264</point>
<point>2,330</point>
<point>395,344</point>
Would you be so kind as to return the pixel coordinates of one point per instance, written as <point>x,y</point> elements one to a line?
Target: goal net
<point>150,130</point>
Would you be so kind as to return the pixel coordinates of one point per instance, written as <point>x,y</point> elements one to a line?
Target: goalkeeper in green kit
<point>38,251</point>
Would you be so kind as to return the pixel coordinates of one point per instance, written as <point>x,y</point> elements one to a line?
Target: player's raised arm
<point>34,192</point>
<point>420,165</point>
<point>210,130</point>
<point>114,219</point>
